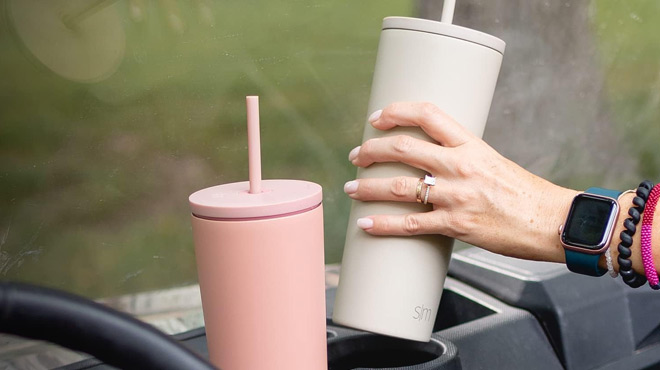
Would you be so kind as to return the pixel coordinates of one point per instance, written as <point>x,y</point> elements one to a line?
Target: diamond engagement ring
<point>424,186</point>
<point>429,180</point>
<point>426,196</point>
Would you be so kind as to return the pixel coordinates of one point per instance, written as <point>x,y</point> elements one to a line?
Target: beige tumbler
<point>392,285</point>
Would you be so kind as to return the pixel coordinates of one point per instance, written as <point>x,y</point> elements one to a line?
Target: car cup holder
<point>472,331</point>
<point>352,349</point>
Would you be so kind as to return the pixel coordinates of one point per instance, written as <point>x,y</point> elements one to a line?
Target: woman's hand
<point>480,197</point>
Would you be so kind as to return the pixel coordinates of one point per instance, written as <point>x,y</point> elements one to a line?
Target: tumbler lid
<point>445,29</point>
<point>256,198</point>
<point>277,198</point>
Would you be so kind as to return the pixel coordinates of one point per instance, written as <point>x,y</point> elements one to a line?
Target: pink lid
<point>277,198</point>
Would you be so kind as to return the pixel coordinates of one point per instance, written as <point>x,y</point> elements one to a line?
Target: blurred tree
<point>550,112</point>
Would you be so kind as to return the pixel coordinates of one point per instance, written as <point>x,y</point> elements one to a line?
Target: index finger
<point>433,120</point>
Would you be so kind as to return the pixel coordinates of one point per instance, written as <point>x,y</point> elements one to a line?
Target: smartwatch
<point>588,229</point>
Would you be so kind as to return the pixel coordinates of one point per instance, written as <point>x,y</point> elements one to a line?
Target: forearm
<point>538,232</point>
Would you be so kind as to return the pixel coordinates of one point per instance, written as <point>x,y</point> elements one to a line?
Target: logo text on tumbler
<point>422,313</point>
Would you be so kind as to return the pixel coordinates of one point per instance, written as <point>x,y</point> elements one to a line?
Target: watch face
<point>590,221</point>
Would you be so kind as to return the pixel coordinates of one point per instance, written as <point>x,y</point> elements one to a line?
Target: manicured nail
<point>365,223</point>
<point>354,153</point>
<point>375,116</point>
<point>350,187</point>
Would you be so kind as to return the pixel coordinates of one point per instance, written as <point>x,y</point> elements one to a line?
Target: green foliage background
<point>94,178</point>
<point>627,35</point>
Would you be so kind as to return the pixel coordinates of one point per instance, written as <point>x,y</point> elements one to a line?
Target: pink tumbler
<point>260,262</point>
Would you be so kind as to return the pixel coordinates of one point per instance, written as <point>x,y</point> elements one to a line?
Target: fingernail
<point>375,116</point>
<point>365,223</point>
<point>354,153</point>
<point>350,187</point>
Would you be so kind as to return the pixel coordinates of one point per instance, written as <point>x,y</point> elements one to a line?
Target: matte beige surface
<point>393,285</point>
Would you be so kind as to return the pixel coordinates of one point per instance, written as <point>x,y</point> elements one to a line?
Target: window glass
<point>112,113</point>
<point>577,98</point>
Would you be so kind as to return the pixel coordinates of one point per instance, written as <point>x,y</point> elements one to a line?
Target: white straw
<point>448,11</point>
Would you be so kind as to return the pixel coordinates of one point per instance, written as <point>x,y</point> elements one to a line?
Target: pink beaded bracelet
<point>646,247</point>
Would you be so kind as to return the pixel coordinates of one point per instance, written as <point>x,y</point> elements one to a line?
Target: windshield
<point>114,112</point>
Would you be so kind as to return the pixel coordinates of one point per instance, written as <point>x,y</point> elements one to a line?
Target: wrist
<point>556,209</point>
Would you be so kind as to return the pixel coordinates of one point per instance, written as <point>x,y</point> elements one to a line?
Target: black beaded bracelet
<point>630,277</point>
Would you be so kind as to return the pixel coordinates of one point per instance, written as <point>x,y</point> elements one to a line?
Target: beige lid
<point>445,29</point>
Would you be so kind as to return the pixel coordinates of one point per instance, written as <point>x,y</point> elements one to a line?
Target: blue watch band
<point>614,194</point>
<point>584,263</point>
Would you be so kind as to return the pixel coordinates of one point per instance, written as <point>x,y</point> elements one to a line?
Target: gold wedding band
<point>419,190</point>
<point>429,181</point>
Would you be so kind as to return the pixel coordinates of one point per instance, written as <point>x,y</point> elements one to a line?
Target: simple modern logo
<point>422,313</point>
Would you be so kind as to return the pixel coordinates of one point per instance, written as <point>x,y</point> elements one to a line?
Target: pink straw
<point>254,144</point>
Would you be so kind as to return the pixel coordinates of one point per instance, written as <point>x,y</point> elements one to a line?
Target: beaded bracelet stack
<point>630,277</point>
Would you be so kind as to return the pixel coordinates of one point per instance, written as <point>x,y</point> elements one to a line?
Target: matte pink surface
<point>254,143</point>
<point>263,291</point>
<point>277,197</point>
